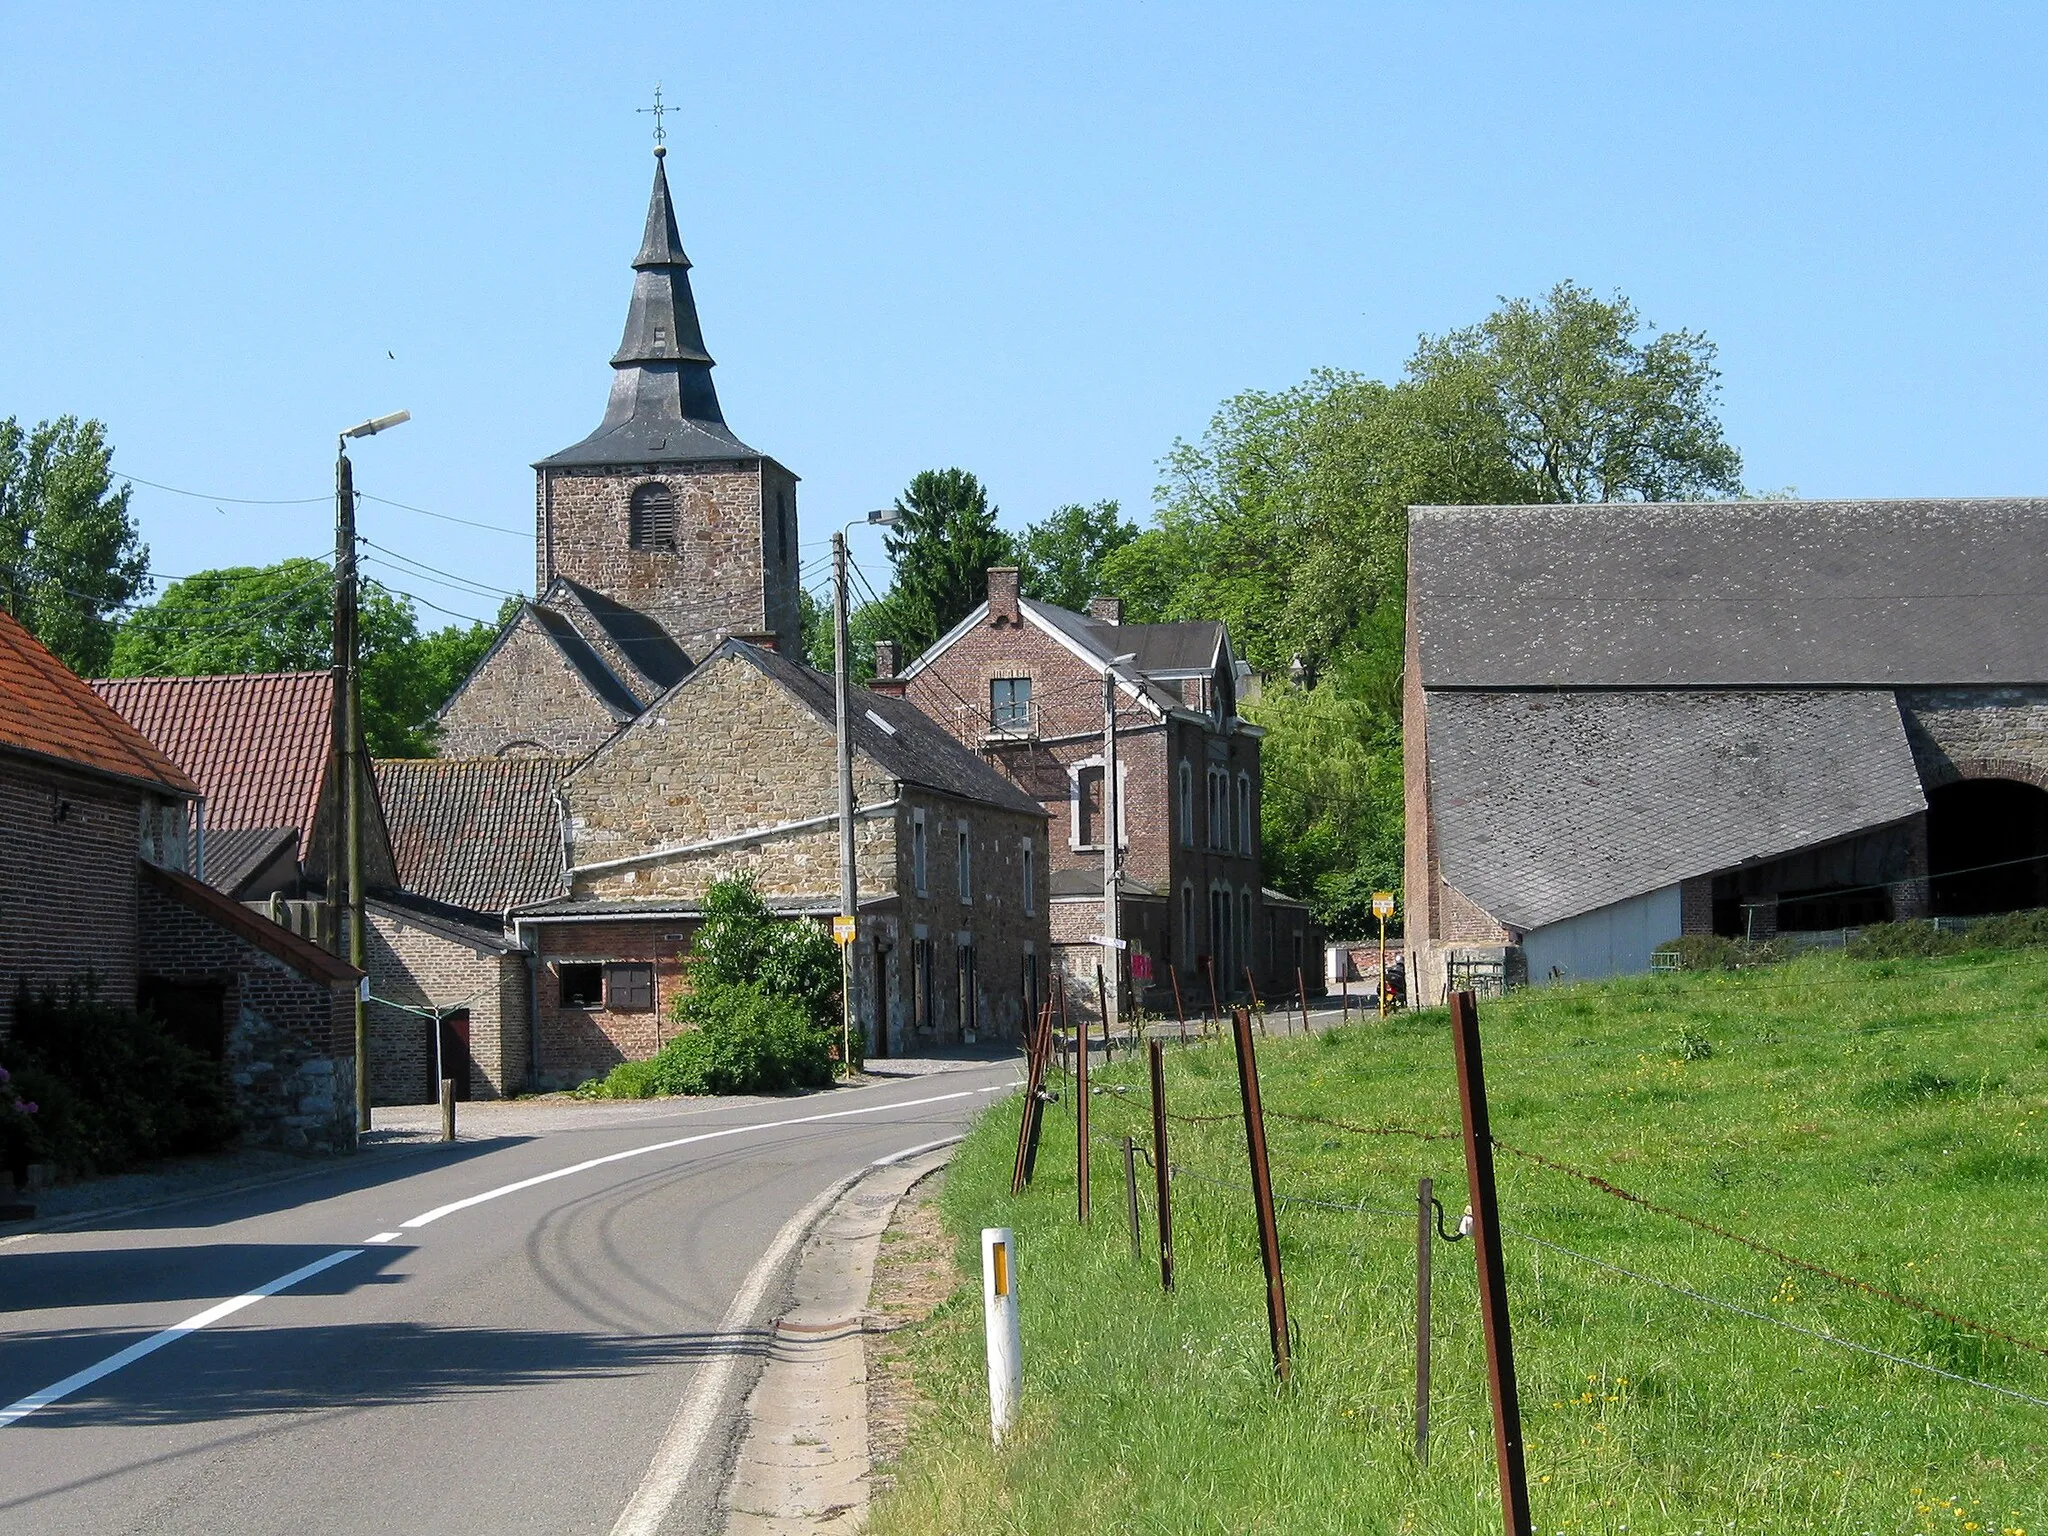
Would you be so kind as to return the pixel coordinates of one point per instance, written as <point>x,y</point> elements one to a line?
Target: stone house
<point>1629,722</point>
<point>1022,683</point>
<point>733,770</point>
<point>98,833</point>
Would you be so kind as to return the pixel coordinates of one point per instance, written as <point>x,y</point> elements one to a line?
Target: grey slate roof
<point>650,649</point>
<point>663,407</point>
<point>920,751</point>
<point>584,657</point>
<point>479,834</point>
<point>1190,645</point>
<point>235,854</point>
<point>1679,594</point>
<point>1552,804</point>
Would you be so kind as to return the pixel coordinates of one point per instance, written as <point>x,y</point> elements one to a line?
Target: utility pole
<point>847,927</point>
<point>348,719</point>
<point>1112,924</point>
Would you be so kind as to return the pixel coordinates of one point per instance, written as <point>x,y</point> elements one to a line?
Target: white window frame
<point>918,848</point>
<point>964,857</point>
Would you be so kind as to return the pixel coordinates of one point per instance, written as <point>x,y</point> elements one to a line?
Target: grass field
<point>1880,1118</point>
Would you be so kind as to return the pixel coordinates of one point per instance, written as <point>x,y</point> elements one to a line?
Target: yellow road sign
<point>1382,903</point>
<point>842,930</point>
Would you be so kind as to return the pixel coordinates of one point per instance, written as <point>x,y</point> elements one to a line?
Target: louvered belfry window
<point>651,517</point>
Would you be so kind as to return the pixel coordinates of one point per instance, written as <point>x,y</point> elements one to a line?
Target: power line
<point>240,501</point>
<point>517,533</point>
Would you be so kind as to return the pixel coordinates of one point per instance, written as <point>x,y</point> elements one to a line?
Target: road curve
<point>522,1333</point>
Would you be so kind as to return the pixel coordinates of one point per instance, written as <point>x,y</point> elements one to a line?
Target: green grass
<point>1882,1118</point>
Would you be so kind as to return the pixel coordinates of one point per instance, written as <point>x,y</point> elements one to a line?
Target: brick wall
<point>290,1036</point>
<point>525,700</point>
<point>67,880</point>
<point>725,576</point>
<point>421,966</point>
<point>578,1043</point>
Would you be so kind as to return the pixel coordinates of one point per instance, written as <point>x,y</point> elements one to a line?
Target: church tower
<point>662,509</point>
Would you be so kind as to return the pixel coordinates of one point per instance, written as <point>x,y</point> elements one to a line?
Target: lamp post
<point>846,927</point>
<point>348,726</point>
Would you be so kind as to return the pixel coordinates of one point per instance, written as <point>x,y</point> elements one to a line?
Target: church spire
<point>663,404</point>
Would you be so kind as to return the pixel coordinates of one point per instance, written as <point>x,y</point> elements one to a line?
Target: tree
<point>941,546</point>
<point>70,558</point>
<point>279,618</point>
<point>1061,556</point>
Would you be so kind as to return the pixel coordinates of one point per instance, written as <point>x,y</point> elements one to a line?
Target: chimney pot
<point>1106,610</point>
<point>1002,596</point>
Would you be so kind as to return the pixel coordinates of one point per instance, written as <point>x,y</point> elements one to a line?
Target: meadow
<point>1883,1119</point>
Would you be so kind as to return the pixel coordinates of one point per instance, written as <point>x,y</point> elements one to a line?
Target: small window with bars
<point>651,517</point>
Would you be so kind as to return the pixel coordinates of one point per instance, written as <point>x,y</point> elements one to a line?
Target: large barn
<point>1631,721</point>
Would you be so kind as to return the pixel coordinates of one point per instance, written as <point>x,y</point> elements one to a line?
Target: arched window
<point>651,517</point>
<point>1187,804</point>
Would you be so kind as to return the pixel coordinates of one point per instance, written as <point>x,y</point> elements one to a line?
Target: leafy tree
<point>70,558</point>
<point>279,618</point>
<point>742,943</point>
<point>1061,556</point>
<point>888,618</point>
<point>941,547</point>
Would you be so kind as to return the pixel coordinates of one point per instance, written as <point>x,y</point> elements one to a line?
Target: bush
<point>744,1039</point>
<point>112,1087</point>
<point>2011,930</point>
<point>1914,939</point>
<point>1710,952</point>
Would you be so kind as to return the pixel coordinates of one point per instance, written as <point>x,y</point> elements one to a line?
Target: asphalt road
<point>515,1334</point>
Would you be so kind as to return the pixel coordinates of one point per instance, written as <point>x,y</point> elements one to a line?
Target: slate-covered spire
<point>663,404</point>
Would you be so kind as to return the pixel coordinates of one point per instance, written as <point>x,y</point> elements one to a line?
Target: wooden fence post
<point>1425,1234</point>
<point>1262,1191</point>
<point>1162,1173</point>
<point>1081,1122</point>
<point>1493,1283</point>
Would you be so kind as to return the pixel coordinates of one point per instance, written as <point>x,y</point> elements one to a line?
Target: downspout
<point>532,1005</point>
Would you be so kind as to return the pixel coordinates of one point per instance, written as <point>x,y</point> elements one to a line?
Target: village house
<point>1626,723</point>
<point>99,839</point>
<point>1022,683</point>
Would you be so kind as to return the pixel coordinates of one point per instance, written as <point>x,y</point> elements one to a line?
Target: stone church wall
<point>525,701</point>
<point>1978,733</point>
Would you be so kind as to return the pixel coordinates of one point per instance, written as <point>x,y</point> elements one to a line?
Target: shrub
<point>1913,939</point>
<point>1711,952</point>
<point>744,1039</point>
<point>112,1087</point>
<point>2011,930</point>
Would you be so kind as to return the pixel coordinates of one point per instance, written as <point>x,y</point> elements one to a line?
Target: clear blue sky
<point>1036,241</point>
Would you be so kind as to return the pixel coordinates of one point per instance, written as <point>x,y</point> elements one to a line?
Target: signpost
<point>1383,908</point>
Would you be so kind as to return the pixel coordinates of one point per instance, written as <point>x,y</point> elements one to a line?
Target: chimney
<point>888,662</point>
<point>767,640</point>
<point>1002,596</point>
<point>1106,610</point>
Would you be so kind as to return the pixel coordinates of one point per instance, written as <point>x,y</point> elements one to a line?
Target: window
<point>917,852</point>
<point>1009,703</point>
<point>651,517</point>
<point>1088,808</point>
<point>966,867</point>
<point>964,987</point>
<point>1219,808</point>
<point>921,984</point>
<point>1187,805</point>
<point>1244,813</point>
<point>1030,879</point>
<point>629,987</point>
<point>1031,1001</point>
<point>582,985</point>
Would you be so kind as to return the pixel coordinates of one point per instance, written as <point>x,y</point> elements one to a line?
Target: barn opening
<point>1987,847</point>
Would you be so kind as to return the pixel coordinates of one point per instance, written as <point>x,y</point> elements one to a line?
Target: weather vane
<point>657,109</point>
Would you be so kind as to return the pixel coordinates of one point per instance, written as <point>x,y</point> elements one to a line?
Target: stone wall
<point>1978,733</point>
<point>67,881</point>
<point>525,700</point>
<point>724,576</point>
<point>289,1027</point>
<point>428,965</point>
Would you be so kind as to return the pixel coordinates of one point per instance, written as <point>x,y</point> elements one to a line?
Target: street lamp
<point>846,927</point>
<point>349,729</point>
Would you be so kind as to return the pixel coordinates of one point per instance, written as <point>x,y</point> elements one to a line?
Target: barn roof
<point>1549,804</point>
<point>258,743</point>
<point>480,834</point>
<point>1731,594</point>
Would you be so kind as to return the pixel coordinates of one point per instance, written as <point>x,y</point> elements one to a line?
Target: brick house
<point>1022,684</point>
<point>1625,723</point>
<point>98,830</point>
<point>734,770</point>
<point>451,985</point>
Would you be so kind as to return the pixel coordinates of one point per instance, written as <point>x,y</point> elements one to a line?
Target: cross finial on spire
<point>657,109</point>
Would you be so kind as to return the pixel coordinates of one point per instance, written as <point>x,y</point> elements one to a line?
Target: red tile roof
<point>257,743</point>
<point>48,710</point>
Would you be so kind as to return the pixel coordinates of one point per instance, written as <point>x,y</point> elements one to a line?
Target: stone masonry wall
<point>290,1054</point>
<point>714,583</point>
<point>525,701</point>
<point>1978,733</point>
<point>67,881</point>
<point>421,967</point>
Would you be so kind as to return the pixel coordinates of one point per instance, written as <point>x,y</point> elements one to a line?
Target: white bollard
<point>1005,1334</point>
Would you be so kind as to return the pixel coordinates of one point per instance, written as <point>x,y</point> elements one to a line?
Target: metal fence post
<point>1179,1009</point>
<point>1493,1283</point>
<point>1131,1199</point>
<point>1425,1234</point>
<point>1038,1049</point>
<point>1081,1122</point>
<point>1002,1327</point>
<point>1162,1173</point>
<point>1262,1191</point>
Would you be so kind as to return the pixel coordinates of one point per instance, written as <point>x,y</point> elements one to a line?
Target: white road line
<point>696,1414</point>
<point>427,1217</point>
<point>384,1237</point>
<point>13,1413</point>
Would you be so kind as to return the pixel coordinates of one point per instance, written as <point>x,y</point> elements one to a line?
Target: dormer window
<point>651,517</point>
